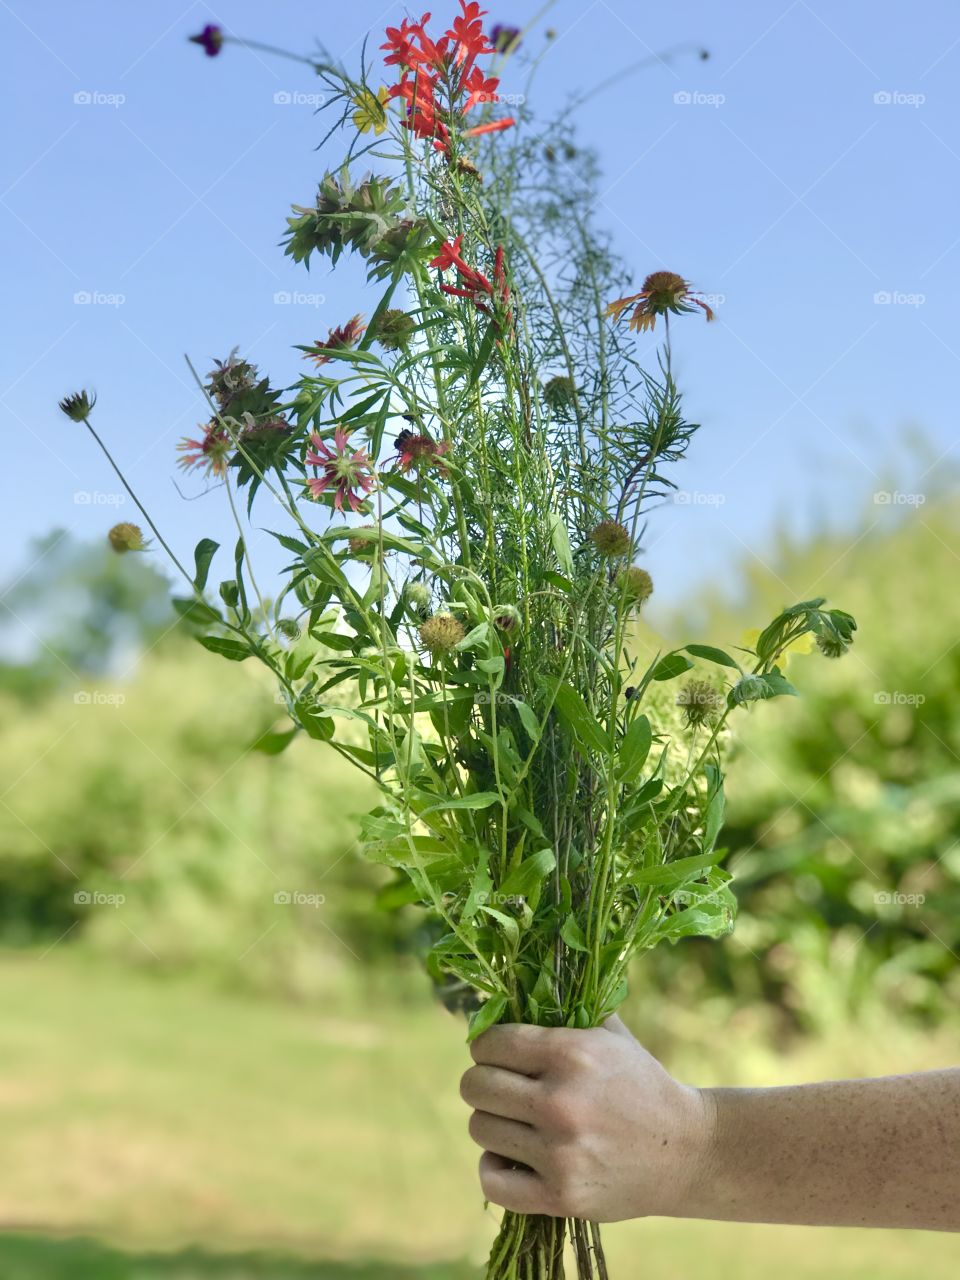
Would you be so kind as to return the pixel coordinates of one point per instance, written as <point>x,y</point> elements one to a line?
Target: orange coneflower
<point>662,292</point>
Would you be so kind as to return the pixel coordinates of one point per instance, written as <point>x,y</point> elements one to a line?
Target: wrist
<point>696,1154</point>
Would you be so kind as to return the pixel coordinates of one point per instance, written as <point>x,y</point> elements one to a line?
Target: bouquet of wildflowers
<point>463,480</point>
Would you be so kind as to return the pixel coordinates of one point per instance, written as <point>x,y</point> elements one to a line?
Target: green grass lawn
<point>159,1128</point>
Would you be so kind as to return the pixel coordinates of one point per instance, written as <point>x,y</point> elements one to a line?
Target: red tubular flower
<point>467,31</point>
<point>449,256</point>
<point>349,470</point>
<point>492,126</point>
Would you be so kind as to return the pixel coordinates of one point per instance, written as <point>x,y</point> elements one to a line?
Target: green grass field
<point>156,1128</point>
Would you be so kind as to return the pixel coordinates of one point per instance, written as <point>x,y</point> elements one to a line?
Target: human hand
<point>582,1124</point>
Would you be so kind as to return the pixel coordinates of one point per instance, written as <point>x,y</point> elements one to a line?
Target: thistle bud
<point>701,703</point>
<point>78,406</point>
<point>635,584</point>
<point>125,537</point>
<point>506,617</point>
<point>289,628</point>
<point>418,598</point>
<point>441,633</point>
<point>611,539</point>
<point>393,329</point>
<point>560,393</point>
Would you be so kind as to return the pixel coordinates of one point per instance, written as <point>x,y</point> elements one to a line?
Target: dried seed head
<point>701,702</point>
<point>560,393</point>
<point>126,537</point>
<point>441,633</point>
<point>611,539</point>
<point>635,584</point>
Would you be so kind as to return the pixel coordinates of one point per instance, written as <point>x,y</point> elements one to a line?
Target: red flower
<point>449,256</point>
<point>344,335</point>
<point>211,454</point>
<point>467,30</point>
<point>474,284</point>
<point>348,470</point>
<point>419,451</point>
<point>492,126</point>
<point>481,88</point>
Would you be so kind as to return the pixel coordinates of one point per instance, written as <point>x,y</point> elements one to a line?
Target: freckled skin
<point>586,1124</point>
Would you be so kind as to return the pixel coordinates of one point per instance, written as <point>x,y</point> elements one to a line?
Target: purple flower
<point>210,39</point>
<point>505,39</point>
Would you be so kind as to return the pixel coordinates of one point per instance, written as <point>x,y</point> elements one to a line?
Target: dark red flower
<point>344,335</point>
<point>210,39</point>
<point>418,451</point>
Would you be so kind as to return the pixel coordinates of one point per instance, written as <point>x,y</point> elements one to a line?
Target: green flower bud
<point>125,537</point>
<point>78,406</point>
<point>611,539</point>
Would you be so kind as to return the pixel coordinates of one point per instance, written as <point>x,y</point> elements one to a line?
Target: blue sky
<point>807,174</point>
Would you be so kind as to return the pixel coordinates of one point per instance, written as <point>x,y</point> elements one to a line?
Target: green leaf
<point>671,874</point>
<point>710,654</point>
<point>491,666</point>
<point>196,612</point>
<point>575,712</point>
<point>235,650</point>
<point>205,550</point>
<point>668,668</point>
<point>778,685</point>
<point>528,719</point>
<point>526,880</point>
<point>274,741</point>
<point>634,748</point>
<point>560,539</point>
<point>714,817</point>
<point>488,1015</point>
<point>572,934</point>
<point>475,800</point>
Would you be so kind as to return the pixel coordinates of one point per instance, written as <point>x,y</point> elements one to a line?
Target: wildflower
<point>419,451</point>
<point>393,329</point>
<point>505,39</point>
<point>211,454</point>
<point>338,339</point>
<point>473,284</point>
<point>78,406</point>
<point>611,539</point>
<point>506,617</point>
<point>417,596</point>
<point>371,110</point>
<point>831,646</point>
<point>349,470</point>
<point>662,292</point>
<point>635,584</point>
<point>289,628</point>
<point>441,633</point>
<point>231,378</point>
<point>126,537</point>
<point>701,703</point>
<point>210,39</point>
<point>560,393</point>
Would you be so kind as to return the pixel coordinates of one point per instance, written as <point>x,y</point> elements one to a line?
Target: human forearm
<point>872,1153</point>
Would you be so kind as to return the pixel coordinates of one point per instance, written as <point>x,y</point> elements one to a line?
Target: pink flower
<point>349,470</point>
<point>211,454</point>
